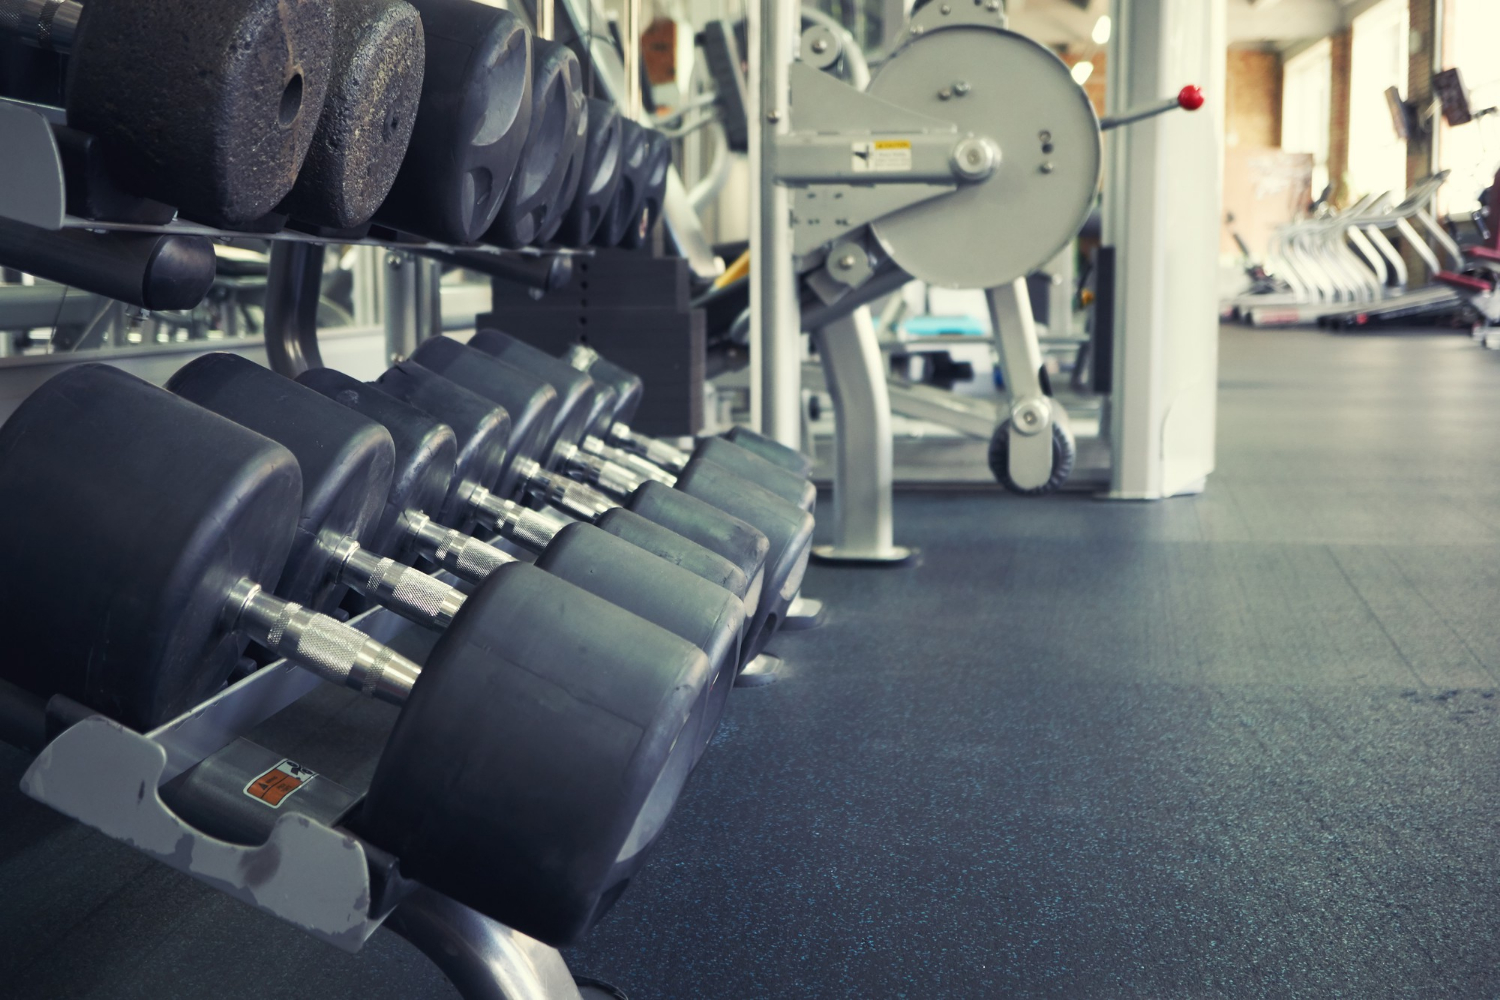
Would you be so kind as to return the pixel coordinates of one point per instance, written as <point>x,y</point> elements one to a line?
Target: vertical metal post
<point>855,368</point>
<point>775,322</point>
<point>401,309</point>
<point>294,283</point>
<point>546,17</point>
<point>630,43</point>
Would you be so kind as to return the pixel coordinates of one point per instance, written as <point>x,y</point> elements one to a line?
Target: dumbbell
<point>472,121</point>
<point>593,175</point>
<point>143,533</point>
<point>582,401</point>
<point>558,127</point>
<point>787,527</point>
<point>717,547</point>
<point>367,119</point>
<point>615,428</point>
<point>351,481</point>
<point>210,107</point>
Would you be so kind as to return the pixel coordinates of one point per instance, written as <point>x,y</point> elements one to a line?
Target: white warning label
<point>881,156</point>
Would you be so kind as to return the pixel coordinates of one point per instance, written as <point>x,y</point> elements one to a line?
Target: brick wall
<point>1338,106</point>
<point>1252,95</point>
<point>1419,160</point>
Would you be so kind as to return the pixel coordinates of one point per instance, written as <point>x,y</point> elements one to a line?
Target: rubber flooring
<point>1239,745</point>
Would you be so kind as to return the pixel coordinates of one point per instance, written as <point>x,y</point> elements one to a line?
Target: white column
<point>1163,206</point>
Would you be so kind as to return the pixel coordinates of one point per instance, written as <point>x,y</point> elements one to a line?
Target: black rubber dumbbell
<point>349,463</point>
<point>210,107</point>
<point>579,451</point>
<point>472,122</point>
<point>628,390</point>
<point>662,591</point>
<point>787,527</point>
<point>139,607</point>
<point>558,127</point>
<point>367,119</point>
<point>723,549</point>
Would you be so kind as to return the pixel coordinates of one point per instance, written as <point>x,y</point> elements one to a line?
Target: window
<point>1472,151</point>
<point>1305,101</point>
<point>1377,61</point>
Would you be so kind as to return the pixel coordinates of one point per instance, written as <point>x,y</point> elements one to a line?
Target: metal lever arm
<point>1189,98</point>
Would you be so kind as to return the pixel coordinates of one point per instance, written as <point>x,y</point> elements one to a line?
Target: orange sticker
<point>275,785</point>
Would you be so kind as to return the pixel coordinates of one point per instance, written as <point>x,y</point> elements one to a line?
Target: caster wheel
<point>1064,453</point>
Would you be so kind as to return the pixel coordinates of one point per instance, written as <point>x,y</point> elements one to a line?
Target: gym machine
<point>966,130</point>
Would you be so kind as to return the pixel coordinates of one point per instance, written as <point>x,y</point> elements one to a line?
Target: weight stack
<point>633,309</point>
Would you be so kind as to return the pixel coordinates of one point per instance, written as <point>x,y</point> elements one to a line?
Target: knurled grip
<point>339,653</point>
<point>639,464</point>
<point>467,557</point>
<point>578,499</point>
<point>404,589</point>
<point>47,24</point>
<point>530,530</point>
<point>664,454</point>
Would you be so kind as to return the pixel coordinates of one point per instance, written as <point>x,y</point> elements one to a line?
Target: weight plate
<point>624,210</point>
<point>557,207</point>
<point>566,710</point>
<point>471,125</point>
<point>210,107</point>
<point>683,603</point>
<point>426,457</point>
<point>346,462</point>
<point>599,177</point>
<point>362,135</point>
<point>1020,96</point>
<point>772,451</point>
<point>557,127</point>
<point>653,191</point>
<point>531,403</point>
<point>129,513</point>
<point>482,429</point>
<point>748,465</point>
<point>786,526</point>
<point>580,398</point>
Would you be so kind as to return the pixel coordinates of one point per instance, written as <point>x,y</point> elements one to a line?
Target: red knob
<point>1190,98</point>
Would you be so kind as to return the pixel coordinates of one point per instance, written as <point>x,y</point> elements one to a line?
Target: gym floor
<point>1237,745</point>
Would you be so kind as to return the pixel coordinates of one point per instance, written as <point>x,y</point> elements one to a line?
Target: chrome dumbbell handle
<point>610,477</point>
<point>330,649</point>
<point>639,464</point>
<point>578,499</point>
<point>658,452</point>
<point>530,529</point>
<point>404,589</point>
<point>46,24</point>
<point>462,555</point>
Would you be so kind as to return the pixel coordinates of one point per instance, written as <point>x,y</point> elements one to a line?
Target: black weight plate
<point>748,465</point>
<point>599,176</point>
<point>207,106</point>
<point>483,431</point>
<point>346,462</point>
<point>788,527</point>
<point>128,514</point>
<point>426,457</point>
<point>471,123</point>
<point>557,127</point>
<point>378,58</point>
<point>580,398</point>
<point>539,754</point>
<point>624,211</point>
<point>653,189</point>
<point>686,553</point>
<point>683,603</point>
<point>557,207</point>
<point>629,389</point>
<point>531,402</point>
<point>772,451</point>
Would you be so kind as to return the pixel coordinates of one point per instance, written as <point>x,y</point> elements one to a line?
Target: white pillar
<point>1163,207</point>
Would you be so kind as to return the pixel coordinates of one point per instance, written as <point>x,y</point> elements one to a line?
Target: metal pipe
<point>546,19</point>
<point>630,44</point>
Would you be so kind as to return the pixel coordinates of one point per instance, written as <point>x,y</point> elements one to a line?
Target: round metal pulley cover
<point>1006,88</point>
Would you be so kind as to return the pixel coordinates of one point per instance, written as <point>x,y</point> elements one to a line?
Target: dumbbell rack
<point>309,871</point>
